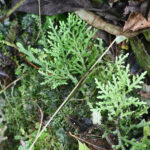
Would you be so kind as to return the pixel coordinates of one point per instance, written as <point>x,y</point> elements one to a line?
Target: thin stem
<point>12,83</point>
<point>12,10</point>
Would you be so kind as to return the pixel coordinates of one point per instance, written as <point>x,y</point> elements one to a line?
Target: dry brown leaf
<point>145,91</point>
<point>136,22</point>
<point>144,94</point>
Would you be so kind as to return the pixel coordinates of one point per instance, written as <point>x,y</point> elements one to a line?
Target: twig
<point>110,142</point>
<point>12,10</point>
<point>77,99</point>
<point>108,138</point>
<point>41,121</point>
<point>97,22</point>
<point>12,83</point>
<point>39,6</point>
<point>95,146</point>
<point>74,90</point>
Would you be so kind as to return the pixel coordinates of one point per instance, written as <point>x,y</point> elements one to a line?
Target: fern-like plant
<point>67,53</point>
<point>116,104</point>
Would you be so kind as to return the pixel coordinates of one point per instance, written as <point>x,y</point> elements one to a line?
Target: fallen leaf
<point>146,88</point>
<point>145,91</point>
<point>136,22</point>
<point>132,8</point>
<point>145,95</point>
<point>120,39</point>
<point>52,7</point>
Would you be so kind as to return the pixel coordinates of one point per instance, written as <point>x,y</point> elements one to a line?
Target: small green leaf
<point>146,131</point>
<point>120,38</point>
<point>82,146</point>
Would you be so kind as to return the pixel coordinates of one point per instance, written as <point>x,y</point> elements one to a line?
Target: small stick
<point>12,10</point>
<point>12,83</point>
<point>99,23</point>
<point>41,121</point>
<point>95,146</point>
